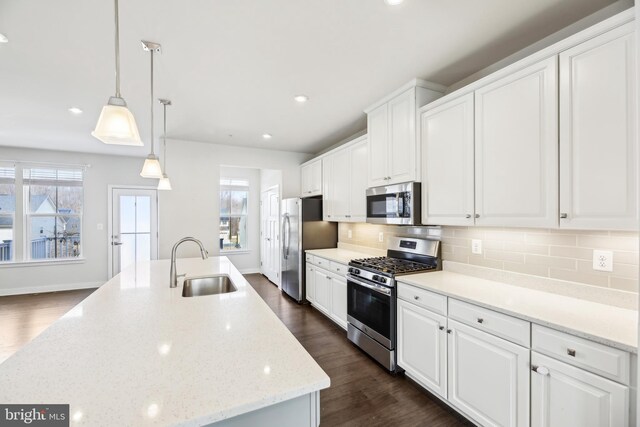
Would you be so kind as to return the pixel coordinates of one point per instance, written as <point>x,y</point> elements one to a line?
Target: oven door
<point>393,204</point>
<point>372,309</point>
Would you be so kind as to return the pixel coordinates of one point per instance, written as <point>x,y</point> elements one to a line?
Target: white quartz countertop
<point>136,352</point>
<point>343,256</point>
<point>613,326</point>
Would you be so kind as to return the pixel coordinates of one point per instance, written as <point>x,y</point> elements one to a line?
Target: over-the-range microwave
<point>394,204</point>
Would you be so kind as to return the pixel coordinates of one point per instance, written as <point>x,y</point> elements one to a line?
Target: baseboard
<point>249,270</point>
<point>50,288</point>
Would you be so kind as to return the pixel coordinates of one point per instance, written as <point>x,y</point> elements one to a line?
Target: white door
<point>598,146</point>
<point>562,395</point>
<point>378,134</point>
<point>448,163</point>
<point>310,282</point>
<point>422,346</point>
<point>402,138</point>
<point>322,290</point>
<point>134,227</point>
<point>339,301</point>
<point>516,147</point>
<point>270,233</point>
<point>358,168</point>
<point>488,377</point>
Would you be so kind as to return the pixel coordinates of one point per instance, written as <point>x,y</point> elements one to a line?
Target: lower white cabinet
<point>322,290</point>
<point>488,377</point>
<point>563,395</point>
<point>339,300</point>
<point>422,346</point>
<point>310,283</point>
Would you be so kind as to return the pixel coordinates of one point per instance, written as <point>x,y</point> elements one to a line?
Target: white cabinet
<point>311,178</point>
<point>310,283</point>
<point>516,143</point>
<point>339,300</point>
<point>322,290</point>
<point>488,377</point>
<point>563,395</point>
<point>422,346</point>
<point>391,127</point>
<point>345,183</point>
<point>598,148</point>
<point>447,138</point>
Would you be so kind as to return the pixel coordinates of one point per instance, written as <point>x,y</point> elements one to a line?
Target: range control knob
<point>375,278</point>
<point>354,271</point>
<point>382,279</point>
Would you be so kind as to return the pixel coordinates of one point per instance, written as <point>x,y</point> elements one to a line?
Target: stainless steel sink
<point>210,285</point>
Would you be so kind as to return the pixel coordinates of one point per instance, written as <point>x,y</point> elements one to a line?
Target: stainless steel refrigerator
<point>302,229</point>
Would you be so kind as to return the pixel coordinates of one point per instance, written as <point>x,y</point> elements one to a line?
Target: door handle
<point>117,243</point>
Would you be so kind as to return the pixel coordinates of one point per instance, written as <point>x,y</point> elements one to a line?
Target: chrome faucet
<point>173,279</point>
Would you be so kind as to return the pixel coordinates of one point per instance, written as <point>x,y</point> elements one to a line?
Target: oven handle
<point>376,288</point>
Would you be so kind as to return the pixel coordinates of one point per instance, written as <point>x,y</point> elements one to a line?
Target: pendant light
<point>151,167</point>
<point>164,183</point>
<point>116,125</point>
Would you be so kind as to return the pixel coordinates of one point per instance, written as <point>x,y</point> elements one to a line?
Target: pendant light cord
<point>164,141</point>
<point>152,140</point>
<point>117,42</point>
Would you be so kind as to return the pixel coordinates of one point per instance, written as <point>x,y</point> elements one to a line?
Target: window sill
<point>11,264</point>
<point>227,253</point>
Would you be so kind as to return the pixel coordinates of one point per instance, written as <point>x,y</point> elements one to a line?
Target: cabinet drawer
<point>427,299</point>
<point>309,258</point>
<point>321,262</point>
<point>592,356</point>
<point>507,327</point>
<point>338,268</point>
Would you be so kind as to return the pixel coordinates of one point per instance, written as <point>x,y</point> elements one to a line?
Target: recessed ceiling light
<point>3,38</point>
<point>301,98</point>
<point>75,110</point>
<point>393,2</point>
<point>267,136</point>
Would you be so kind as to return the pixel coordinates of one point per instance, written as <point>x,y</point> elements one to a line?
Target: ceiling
<point>232,67</point>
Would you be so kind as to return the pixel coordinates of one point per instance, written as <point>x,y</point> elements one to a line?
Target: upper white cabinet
<point>516,144</point>
<point>448,163</point>
<point>311,178</point>
<point>391,126</point>
<point>345,182</point>
<point>598,149</point>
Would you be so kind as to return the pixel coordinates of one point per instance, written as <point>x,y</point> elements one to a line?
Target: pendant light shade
<point>164,183</point>
<point>151,167</point>
<point>116,125</point>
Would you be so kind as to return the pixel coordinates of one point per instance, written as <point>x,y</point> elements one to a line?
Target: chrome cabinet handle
<point>416,297</point>
<point>441,328</point>
<point>467,216</point>
<point>564,215</point>
<point>571,352</point>
<point>477,215</point>
<point>449,331</point>
<point>480,320</point>
<point>117,243</point>
<point>540,370</point>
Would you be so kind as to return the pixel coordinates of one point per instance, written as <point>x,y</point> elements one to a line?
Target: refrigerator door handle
<point>286,236</point>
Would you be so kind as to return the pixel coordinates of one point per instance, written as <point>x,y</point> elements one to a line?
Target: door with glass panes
<point>134,228</point>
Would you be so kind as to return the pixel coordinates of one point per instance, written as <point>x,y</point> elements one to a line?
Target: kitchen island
<point>137,352</point>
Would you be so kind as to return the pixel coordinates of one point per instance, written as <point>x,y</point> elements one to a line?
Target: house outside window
<point>53,212</point>
<point>7,212</point>
<point>234,200</point>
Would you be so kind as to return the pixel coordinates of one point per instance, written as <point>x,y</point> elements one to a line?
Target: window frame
<point>12,215</point>
<point>235,184</point>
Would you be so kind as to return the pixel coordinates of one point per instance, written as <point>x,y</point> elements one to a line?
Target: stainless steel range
<point>371,294</point>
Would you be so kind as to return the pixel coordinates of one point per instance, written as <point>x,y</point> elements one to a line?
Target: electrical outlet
<point>476,246</point>
<point>349,234</point>
<point>602,260</point>
<point>381,237</point>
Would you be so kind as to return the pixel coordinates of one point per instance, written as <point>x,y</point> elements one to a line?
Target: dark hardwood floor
<point>361,393</point>
<point>23,317</point>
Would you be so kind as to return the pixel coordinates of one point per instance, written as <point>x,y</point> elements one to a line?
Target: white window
<point>7,213</point>
<point>234,201</point>
<point>53,199</point>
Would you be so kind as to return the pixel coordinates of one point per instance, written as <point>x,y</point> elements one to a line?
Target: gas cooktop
<point>391,266</point>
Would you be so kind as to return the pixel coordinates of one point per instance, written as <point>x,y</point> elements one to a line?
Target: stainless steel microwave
<point>394,204</point>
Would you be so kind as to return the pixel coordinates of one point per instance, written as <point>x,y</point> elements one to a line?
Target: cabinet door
<point>517,149</point>
<point>378,134</point>
<point>488,377</point>
<point>327,187</point>
<point>305,180</point>
<point>310,280</point>
<point>447,163</point>
<point>402,138</point>
<point>422,346</point>
<point>340,185</point>
<point>339,301</point>
<point>323,290</point>
<point>358,183</point>
<point>598,148</point>
<point>562,395</point>
<point>316,178</point>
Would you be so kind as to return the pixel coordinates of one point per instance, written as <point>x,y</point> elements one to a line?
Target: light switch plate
<point>476,246</point>
<point>349,234</point>
<point>602,260</point>
<point>381,237</point>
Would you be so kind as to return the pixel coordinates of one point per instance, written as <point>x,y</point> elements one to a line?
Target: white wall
<point>248,262</point>
<point>104,170</point>
<point>192,207</point>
